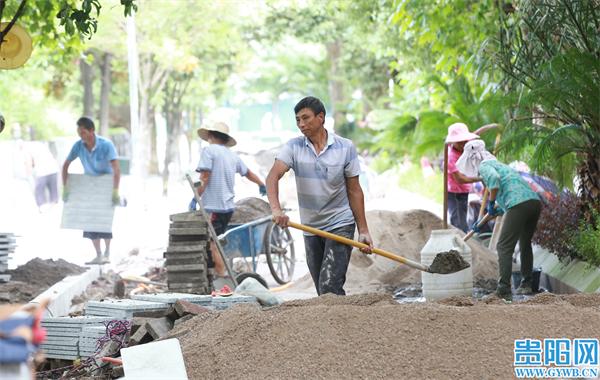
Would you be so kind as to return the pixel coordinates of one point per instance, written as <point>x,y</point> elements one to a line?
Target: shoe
<point>105,259</point>
<point>524,291</point>
<point>96,261</point>
<point>505,296</point>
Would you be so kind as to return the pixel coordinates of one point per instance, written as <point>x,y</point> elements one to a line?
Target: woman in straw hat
<point>217,167</point>
<point>509,193</point>
<point>459,185</point>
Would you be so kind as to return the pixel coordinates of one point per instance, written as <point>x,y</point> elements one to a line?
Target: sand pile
<point>249,209</point>
<point>34,277</point>
<point>368,337</point>
<point>405,233</point>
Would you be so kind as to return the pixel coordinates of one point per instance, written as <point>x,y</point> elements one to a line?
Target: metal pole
<point>134,70</point>
<point>445,216</point>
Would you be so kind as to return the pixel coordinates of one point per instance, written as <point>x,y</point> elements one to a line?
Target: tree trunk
<point>589,185</point>
<point>152,78</point>
<point>105,71</point>
<point>87,80</point>
<point>153,165</point>
<point>336,87</point>
<point>173,117</point>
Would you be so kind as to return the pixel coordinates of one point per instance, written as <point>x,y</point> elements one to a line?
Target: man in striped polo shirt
<point>217,168</point>
<point>329,194</point>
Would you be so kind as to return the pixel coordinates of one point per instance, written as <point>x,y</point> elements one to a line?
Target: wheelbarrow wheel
<point>281,256</point>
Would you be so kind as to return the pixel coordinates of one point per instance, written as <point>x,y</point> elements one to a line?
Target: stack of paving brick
<point>186,264</point>
<point>88,340</point>
<point>122,308</point>
<point>63,335</point>
<point>210,302</point>
<point>7,247</point>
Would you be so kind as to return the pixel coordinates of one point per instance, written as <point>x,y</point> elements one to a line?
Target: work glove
<point>262,189</point>
<point>475,227</point>
<point>491,208</point>
<point>193,205</point>
<point>116,200</point>
<point>65,194</point>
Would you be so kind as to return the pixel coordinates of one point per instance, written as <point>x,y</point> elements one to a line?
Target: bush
<point>558,223</point>
<point>587,239</point>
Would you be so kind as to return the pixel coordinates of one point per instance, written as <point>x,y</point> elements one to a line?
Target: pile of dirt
<point>405,233</point>
<point>343,337</point>
<point>34,277</point>
<point>249,209</point>
<point>45,273</point>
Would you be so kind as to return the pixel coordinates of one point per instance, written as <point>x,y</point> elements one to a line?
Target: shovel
<point>446,257</point>
<point>486,218</point>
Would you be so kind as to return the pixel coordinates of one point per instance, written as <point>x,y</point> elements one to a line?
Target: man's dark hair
<point>2,123</point>
<point>86,122</point>
<point>310,102</point>
<point>222,137</point>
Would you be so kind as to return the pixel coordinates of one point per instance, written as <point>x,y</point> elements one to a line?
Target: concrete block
<point>171,298</point>
<point>158,327</point>
<point>186,268</point>
<point>183,319</point>
<point>187,216</point>
<point>203,231</point>
<point>184,308</point>
<point>156,360</point>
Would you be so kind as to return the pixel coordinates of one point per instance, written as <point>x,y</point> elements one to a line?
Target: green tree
<point>549,52</point>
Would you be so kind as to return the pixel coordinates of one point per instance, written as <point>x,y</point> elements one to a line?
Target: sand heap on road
<point>249,209</point>
<point>34,277</point>
<point>405,233</point>
<point>369,336</point>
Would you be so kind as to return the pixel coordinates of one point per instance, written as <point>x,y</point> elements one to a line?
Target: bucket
<point>438,286</point>
<point>535,279</point>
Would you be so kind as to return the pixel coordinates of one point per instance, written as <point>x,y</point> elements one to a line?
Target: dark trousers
<point>458,207</point>
<point>47,183</point>
<point>519,225</point>
<point>328,260</point>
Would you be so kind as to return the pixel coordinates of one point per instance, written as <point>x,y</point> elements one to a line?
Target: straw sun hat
<point>15,48</point>
<point>217,127</point>
<point>458,132</point>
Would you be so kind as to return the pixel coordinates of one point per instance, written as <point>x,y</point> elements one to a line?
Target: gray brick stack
<point>186,264</point>
<point>121,308</point>
<point>64,333</point>
<point>7,247</point>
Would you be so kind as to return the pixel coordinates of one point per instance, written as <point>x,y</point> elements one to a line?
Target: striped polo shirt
<point>222,164</point>
<point>320,179</point>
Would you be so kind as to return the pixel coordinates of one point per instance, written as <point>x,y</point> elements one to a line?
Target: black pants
<point>519,225</point>
<point>328,260</point>
<point>219,221</point>
<point>458,207</point>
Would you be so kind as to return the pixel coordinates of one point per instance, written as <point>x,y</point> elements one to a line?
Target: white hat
<point>473,155</point>
<point>16,47</point>
<point>217,127</point>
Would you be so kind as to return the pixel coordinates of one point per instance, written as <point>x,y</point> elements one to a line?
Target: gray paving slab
<point>125,304</point>
<point>171,298</point>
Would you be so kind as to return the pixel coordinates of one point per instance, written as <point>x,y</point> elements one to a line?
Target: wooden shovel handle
<point>354,243</point>
<point>483,221</point>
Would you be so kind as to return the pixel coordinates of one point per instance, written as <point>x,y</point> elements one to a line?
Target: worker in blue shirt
<point>98,156</point>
